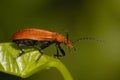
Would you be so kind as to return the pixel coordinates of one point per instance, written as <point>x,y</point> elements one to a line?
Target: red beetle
<point>40,39</point>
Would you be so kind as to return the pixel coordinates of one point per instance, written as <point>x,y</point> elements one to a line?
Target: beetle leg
<point>21,53</point>
<point>58,47</point>
<point>57,55</point>
<point>61,50</point>
<point>41,53</point>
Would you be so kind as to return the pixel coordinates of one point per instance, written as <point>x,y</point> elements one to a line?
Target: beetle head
<point>68,43</point>
<point>62,39</point>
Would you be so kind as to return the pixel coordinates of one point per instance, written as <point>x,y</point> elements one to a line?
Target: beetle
<point>40,39</point>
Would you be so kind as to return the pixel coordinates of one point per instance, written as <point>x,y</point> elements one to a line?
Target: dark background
<point>81,18</point>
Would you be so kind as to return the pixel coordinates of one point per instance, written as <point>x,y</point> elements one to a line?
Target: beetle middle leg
<point>57,54</point>
<point>41,53</point>
<point>42,45</point>
<point>21,53</point>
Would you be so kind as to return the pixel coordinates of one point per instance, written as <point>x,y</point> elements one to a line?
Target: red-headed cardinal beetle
<point>41,39</point>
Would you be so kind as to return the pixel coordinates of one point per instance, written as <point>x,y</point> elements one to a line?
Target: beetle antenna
<point>89,38</point>
<point>67,36</point>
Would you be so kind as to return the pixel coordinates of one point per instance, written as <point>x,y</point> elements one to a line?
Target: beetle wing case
<point>34,34</point>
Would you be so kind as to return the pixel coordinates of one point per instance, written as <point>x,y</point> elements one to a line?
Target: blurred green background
<point>95,18</point>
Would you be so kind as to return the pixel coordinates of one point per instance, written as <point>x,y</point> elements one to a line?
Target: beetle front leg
<point>61,50</point>
<point>58,47</point>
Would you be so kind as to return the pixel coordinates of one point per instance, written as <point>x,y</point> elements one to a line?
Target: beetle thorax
<point>62,39</point>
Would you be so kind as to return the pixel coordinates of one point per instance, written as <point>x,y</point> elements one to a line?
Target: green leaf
<point>26,65</point>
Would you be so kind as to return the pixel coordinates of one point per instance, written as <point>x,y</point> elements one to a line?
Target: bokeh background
<point>81,18</point>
